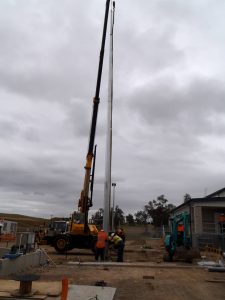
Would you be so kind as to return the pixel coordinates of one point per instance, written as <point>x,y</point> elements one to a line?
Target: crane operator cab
<point>76,236</point>
<point>77,225</point>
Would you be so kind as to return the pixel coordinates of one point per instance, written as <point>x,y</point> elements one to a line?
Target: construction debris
<point>148,277</point>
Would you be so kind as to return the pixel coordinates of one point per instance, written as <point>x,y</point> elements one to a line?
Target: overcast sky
<point>168,114</point>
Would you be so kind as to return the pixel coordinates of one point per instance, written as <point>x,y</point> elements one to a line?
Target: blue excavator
<point>178,242</point>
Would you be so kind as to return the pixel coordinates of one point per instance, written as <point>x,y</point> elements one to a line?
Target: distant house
<point>207,219</point>
<point>8,227</point>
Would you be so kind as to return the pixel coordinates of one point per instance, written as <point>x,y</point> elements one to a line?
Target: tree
<point>130,219</point>
<point>159,210</point>
<point>98,217</point>
<point>187,197</point>
<point>141,217</point>
<point>118,217</point>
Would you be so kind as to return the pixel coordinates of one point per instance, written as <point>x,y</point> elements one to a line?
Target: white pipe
<point>108,154</point>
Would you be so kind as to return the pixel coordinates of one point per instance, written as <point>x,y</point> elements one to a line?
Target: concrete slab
<point>22,263</point>
<point>205,263</point>
<point>135,265</point>
<point>84,292</point>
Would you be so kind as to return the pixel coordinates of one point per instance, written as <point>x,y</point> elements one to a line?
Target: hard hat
<point>112,234</point>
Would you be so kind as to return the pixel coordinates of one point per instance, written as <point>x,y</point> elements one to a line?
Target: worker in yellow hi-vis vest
<point>118,245</point>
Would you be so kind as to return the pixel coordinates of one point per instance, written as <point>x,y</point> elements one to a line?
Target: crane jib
<point>83,202</point>
<point>98,84</point>
<point>93,125</point>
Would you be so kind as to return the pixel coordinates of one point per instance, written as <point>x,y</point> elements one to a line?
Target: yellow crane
<point>81,234</point>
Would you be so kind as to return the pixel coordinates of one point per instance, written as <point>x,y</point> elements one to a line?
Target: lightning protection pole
<point>108,155</point>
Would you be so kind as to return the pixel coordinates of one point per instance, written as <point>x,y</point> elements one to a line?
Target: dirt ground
<point>156,282</point>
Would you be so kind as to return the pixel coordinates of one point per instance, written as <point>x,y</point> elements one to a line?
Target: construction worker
<point>118,243</point>
<point>120,232</point>
<point>101,245</point>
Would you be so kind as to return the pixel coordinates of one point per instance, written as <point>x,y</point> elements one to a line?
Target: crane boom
<point>84,202</point>
<point>81,234</point>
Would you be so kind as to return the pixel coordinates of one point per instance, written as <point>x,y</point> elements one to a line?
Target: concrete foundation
<point>22,263</point>
<point>163,265</point>
<point>84,292</point>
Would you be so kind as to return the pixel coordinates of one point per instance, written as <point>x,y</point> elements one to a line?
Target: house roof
<point>216,194</point>
<point>212,197</point>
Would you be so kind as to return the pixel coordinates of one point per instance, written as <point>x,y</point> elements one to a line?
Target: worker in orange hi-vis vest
<point>101,245</point>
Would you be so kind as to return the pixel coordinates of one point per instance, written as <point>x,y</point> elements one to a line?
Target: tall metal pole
<point>108,154</point>
<point>113,207</point>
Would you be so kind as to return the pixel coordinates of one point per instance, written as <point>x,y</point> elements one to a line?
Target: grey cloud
<point>168,116</point>
<point>147,53</point>
<point>78,115</point>
<point>44,56</point>
<point>43,175</point>
<point>184,110</point>
<point>8,129</point>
